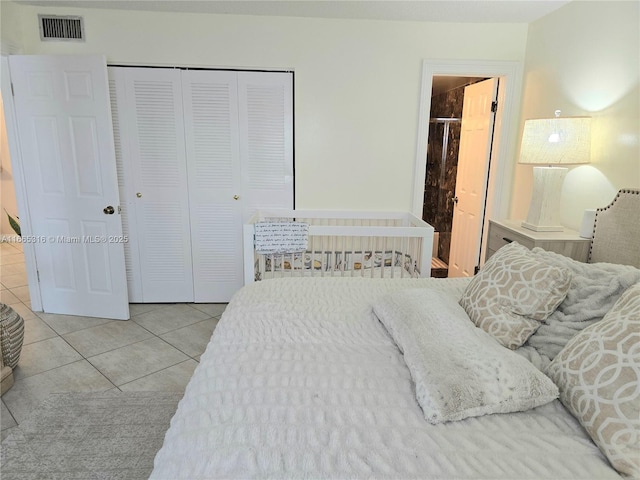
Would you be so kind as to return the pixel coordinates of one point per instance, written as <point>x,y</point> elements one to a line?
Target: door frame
<point>499,186</point>
<point>19,184</point>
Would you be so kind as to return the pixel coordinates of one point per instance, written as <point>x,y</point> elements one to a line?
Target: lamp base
<point>543,211</point>
<point>542,228</point>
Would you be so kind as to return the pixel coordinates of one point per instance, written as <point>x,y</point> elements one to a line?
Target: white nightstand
<point>567,243</point>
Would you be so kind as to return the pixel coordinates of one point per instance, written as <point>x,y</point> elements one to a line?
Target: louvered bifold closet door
<point>213,164</point>
<point>153,157</point>
<point>265,102</point>
<point>125,187</point>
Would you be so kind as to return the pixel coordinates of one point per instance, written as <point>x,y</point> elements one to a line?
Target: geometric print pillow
<point>513,293</point>
<point>598,375</point>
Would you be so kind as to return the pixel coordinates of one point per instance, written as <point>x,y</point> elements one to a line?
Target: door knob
<point>139,195</point>
<point>455,200</point>
<point>236,197</point>
<point>108,210</point>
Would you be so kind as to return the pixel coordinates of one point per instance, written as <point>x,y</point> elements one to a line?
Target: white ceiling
<point>478,11</point>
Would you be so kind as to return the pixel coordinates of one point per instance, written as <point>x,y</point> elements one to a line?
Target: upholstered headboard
<point>616,232</point>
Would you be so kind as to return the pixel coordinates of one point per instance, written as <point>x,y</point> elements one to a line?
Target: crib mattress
<point>300,380</point>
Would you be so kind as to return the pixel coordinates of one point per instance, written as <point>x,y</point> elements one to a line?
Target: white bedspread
<point>300,380</point>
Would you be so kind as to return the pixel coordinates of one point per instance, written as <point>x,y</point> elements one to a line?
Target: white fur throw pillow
<point>598,374</point>
<point>513,293</point>
<point>458,369</point>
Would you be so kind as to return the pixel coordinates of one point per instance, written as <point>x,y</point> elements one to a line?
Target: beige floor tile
<point>139,308</point>
<point>193,339</point>
<point>24,311</point>
<point>13,269</point>
<point>64,324</point>
<point>137,360</point>
<point>172,379</point>
<point>13,281</point>
<point>22,293</point>
<point>211,309</point>
<point>8,298</point>
<point>168,318</point>
<point>44,356</point>
<point>28,393</point>
<point>108,336</point>
<point>11,258</point>
<point>8,249</point>
<point>36,330</point>
<point>123,352</point>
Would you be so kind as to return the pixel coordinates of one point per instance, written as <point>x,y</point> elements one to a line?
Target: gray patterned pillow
<point>598,374</point>
<point>513,293</point>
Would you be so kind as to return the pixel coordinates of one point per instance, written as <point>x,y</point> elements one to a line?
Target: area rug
<point>109,435</point>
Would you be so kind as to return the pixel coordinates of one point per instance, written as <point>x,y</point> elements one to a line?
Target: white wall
<point>357,83</point>
<point>584,60</point>
<point>10,28</point>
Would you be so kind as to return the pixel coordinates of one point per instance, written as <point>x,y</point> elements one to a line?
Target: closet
<point>197,153</point>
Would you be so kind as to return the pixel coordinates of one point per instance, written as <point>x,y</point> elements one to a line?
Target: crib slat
<point>393,257</point>
<point>383,262</point>
<point>404,250</point>
<point>344,254</point>
<point>273,265</point>
<point>322,253</point>
<point>373,254</point>
<point>363,250</point>
<point>292,265</point>
<point>312,265</point>
<point>353,246</point>
<point>392,272</point>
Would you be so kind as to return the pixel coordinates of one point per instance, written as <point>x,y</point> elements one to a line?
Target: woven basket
<point>11,335</point>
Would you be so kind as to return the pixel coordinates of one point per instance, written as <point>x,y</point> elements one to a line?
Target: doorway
<point>8,203</point>
<point>13,155</point>
<point>447,98</point>
<point>498,191</point>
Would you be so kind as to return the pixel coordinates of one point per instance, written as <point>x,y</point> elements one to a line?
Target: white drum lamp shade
<point>552,142</point>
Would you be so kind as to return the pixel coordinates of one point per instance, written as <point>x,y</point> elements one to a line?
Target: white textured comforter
<point>300,380</point>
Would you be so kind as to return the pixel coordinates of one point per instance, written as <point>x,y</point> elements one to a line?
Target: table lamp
<point>552,142</point>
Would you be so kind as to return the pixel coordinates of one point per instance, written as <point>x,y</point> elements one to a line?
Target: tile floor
<point>157,350</point>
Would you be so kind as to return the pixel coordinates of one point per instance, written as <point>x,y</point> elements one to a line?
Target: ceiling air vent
<point>54,27</point>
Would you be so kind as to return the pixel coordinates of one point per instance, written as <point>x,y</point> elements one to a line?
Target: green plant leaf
<point>14,223</point>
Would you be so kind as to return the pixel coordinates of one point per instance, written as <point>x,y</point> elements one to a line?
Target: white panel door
<point>266,140</point>
<point>151,114</point>
<point>213,164</point>
<point>65,133</point>
<point>471,180</point>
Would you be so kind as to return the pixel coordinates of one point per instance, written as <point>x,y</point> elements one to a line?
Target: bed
<point>351,377</point>
<point>342,244</point>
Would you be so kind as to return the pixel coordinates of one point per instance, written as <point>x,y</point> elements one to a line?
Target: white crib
<point>345,243</point>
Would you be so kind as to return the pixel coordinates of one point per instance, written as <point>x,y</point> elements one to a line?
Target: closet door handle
<point>108,210</point>
<point>139,195</point>
<point>236,197</point>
